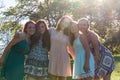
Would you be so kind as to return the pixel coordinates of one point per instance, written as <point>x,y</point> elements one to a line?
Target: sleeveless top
<point>59,61</point>
<point>79,61</point>
<point>36,64</point>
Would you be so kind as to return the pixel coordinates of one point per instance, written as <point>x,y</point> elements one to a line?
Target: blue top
<point>80,56</point>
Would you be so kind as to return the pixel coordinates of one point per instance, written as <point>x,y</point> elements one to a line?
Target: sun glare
<point>99,2</point>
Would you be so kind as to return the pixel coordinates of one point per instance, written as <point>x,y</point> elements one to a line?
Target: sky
<point>9,3</point>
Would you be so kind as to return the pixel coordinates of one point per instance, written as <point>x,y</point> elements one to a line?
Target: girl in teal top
<point>13,57</point>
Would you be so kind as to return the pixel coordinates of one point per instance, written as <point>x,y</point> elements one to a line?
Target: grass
<point>116,73</point>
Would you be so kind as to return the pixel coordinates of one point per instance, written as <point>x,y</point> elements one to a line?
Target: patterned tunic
<point>106,62</point>
<point>37,61</point>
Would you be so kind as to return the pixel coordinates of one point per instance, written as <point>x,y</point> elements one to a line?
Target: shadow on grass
<point>117,59</point>
<point>116,72</point>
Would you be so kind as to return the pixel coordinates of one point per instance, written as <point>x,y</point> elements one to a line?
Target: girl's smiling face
<point>30,29</point>
<point>74,27</point>
<point>42,28</point>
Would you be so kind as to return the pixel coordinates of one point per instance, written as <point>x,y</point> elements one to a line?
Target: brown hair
<point>45,37</point>
<point>60,21</point>
<point>72,36</point>
<point>26,25</point>
<point>86,20</point>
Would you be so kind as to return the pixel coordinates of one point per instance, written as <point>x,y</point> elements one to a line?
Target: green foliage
<point>116,72</point>
<point>11,11</point>
<point>104,17</point>
<point>12,26</point>
<point>114,42</point>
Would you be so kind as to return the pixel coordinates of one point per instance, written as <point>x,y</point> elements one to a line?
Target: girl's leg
<point>89,78</point>
<point>40,79</point>
<point>108,77</point>
<point>30,78</point>
<point>53,77</point>
<point>81,79</point>
<point>62,78</point>
<point>96,79</point>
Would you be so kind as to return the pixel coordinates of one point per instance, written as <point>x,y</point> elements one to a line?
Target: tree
<point>104,17</point>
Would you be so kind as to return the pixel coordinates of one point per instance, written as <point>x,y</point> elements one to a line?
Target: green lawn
<point>116,73</point>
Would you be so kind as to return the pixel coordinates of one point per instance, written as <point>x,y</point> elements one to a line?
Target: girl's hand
<point>86,67</point>
<point>1,61</point>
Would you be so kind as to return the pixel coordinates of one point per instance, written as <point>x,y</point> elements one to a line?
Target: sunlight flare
<point>99,2</point>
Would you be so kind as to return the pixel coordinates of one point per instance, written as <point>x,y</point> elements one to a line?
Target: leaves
<point>104,16</point>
